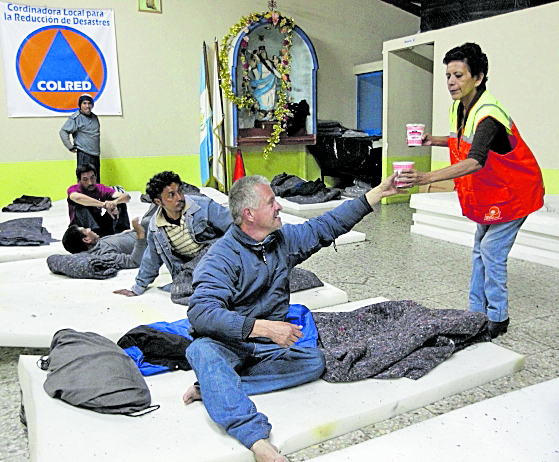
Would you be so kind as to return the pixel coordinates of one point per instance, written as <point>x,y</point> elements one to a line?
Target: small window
<point>369,103</point>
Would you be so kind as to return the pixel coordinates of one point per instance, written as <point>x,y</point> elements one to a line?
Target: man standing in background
<point>84,127</point>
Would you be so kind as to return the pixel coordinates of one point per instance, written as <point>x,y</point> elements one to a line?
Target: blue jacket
<point>206,221</point>
<point>137,340</point>
<point>240,280</point>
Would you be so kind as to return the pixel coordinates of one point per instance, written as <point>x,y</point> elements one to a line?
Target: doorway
<point>408,98</point>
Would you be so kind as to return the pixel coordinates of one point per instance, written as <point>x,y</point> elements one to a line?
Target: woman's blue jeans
<point>488,284</point>
<point>229,372</point>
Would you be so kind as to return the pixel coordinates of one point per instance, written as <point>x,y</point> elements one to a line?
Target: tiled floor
<point>398,265</point>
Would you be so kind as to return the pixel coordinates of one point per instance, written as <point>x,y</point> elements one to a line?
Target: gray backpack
<point>90,371</point>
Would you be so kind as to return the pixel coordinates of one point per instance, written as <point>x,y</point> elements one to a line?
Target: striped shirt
<point>179,237</point>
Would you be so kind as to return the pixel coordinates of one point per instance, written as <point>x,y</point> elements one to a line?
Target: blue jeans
<point>229,372</point>
<point>488,284</point>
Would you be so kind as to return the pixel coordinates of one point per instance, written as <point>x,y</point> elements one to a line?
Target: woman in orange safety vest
<point>496,176</point>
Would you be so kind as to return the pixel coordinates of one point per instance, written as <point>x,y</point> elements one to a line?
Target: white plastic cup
<point>415,132</point>
<point>398,167</point>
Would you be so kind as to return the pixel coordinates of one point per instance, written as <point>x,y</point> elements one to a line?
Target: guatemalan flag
<point>218,158</point>
<point>205,122</point>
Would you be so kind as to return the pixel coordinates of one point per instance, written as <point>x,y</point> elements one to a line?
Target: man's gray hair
<point>243,194</point>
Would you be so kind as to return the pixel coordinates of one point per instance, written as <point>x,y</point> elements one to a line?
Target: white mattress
<point>438,215</point>
<point>521,426</point>
<point>58,431</point>
<point>36,303</point>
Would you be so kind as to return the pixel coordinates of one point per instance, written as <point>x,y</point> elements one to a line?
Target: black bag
<point>90,371</point>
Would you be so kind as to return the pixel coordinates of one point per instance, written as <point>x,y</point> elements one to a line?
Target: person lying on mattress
<point>180,231</point>
<point>242,342</point>
<point>125,248</point>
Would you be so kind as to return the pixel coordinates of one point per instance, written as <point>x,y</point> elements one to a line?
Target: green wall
<point>52,178</point>
<point>288,159</point>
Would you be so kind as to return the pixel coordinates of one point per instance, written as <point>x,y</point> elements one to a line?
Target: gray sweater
<point>85,131</point>
<point>124,247</point>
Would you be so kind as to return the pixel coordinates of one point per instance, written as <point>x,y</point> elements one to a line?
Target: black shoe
<point>497,328</point>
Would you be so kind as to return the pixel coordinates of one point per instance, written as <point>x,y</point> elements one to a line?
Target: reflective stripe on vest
<point>509,186</point>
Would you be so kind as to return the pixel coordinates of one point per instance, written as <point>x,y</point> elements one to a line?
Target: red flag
<point>239,166</point>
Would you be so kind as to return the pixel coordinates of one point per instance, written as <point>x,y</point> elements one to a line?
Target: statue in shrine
<point>264,78</point>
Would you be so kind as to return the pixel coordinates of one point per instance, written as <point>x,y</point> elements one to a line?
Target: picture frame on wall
<point>149,6</point>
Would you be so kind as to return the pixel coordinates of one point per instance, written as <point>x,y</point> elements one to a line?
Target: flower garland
<point>246,100</point>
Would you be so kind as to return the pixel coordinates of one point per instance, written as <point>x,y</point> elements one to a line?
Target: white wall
<point>523,74</point>
<point>159,67</point>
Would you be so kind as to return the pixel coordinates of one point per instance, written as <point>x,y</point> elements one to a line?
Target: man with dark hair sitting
<point>125,248</point>
<point>87,199</point>
<point>179,232</point>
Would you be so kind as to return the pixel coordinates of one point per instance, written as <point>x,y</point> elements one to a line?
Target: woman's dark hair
<point>471,54</point>
<point>73,240</point>
<point>159,182</point>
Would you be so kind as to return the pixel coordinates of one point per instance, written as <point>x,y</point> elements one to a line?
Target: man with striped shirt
<point>179,233</point>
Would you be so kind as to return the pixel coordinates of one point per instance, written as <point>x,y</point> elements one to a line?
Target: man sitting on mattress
<point>96,206</point>
<point>179,232</point>
<point>243,344</point>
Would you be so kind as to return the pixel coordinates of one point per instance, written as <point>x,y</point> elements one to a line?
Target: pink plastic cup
<point>415,132</point>
<point>398,167</point>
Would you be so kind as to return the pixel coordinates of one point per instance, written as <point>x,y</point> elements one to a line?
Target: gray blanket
<point>301,279</point>
<point>83,266</point>
<point>394,339</point>
<point>29,204</point>
<point>24,231</point>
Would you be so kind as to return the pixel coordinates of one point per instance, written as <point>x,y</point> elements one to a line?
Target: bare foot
<point>266,452</point>
<point>126,292</point>
<point>192,394</point>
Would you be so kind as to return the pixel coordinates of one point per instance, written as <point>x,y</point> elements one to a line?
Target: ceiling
<point>415,7</point>
<point>410,7</point>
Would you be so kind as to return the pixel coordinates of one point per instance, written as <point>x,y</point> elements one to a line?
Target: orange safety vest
<point>509,186</point>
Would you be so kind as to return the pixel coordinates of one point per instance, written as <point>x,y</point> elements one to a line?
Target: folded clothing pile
<point>330,127</point>
<point>300,191</point>
<point>29,204</point>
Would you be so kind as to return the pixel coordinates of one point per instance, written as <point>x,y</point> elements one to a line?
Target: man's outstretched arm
<point>385,189</point>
